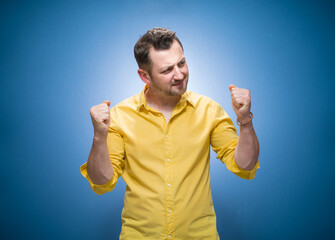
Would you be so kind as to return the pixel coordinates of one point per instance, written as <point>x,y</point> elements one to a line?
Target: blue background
<point>58,58</point>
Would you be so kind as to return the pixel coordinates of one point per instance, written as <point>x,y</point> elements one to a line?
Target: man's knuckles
<point>99,109</point>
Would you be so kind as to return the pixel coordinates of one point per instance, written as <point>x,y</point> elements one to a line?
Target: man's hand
<point>241,102</point>
<point>247,148</point>
<point>99,167</point>
<point>100,118</point>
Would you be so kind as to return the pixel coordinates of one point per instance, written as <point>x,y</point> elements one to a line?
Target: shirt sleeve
<point>115,146</point>
<point>224,139</point>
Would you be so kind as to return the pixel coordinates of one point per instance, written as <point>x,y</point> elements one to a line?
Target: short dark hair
<point>159,39</point>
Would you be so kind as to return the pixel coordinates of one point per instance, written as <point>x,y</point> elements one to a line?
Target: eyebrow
<point>169,66</point>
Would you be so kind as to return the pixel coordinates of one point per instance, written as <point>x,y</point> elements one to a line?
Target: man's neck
<point>159,101</point>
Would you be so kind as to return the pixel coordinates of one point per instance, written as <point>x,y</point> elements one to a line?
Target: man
<point>159,142</point>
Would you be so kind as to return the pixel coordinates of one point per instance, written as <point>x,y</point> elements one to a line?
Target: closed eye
<point>182,63</point>
<point>167,70</point>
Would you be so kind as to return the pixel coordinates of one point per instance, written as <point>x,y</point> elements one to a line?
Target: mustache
<point>178,81</point>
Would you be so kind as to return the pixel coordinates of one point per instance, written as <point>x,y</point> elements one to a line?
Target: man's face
<point>169,71</point>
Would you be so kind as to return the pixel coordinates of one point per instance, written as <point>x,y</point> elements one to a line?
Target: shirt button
<point>169,210</point>
<point>169,185</point>
<point>169,236</point>
<point>168,159</point>
<point>167,136</point>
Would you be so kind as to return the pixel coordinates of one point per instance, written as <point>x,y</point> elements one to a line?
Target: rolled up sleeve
<point>224,139</point>
<point>115,144</point>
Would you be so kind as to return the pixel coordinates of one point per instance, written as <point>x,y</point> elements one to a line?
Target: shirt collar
<point>185,97</point>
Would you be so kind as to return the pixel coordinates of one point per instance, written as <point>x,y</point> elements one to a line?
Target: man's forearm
<point>99,167</point>
<point>247,149</point>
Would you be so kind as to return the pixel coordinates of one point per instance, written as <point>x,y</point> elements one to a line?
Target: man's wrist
<point>247,126</point>
<point>97,138</point>
<point>245,121</point>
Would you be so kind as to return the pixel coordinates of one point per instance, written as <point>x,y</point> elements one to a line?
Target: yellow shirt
<point>166,166</point>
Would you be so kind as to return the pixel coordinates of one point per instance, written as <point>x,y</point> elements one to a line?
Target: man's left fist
<point>240,99</point>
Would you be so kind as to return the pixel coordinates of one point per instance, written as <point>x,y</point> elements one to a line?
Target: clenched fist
<point>100,118</point>
<point>241,102</point>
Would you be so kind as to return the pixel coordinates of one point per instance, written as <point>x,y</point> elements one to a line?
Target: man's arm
<point>99,167</point>
<point>247,149</point>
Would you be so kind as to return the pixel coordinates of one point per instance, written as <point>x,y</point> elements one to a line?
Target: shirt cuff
<point>242,172</point>
<point>228,158</point>
<point>99,189</point>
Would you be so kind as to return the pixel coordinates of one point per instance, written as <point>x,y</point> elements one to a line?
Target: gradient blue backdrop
<point>58,58</point>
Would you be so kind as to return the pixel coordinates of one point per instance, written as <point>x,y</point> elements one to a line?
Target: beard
<point>176,88</point>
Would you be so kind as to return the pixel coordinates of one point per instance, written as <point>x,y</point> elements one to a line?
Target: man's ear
<point>144,75</point>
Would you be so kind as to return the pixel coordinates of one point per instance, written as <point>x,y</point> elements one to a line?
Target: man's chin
<point>177,92</point>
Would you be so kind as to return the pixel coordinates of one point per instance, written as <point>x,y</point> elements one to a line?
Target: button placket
<point>169,197</point>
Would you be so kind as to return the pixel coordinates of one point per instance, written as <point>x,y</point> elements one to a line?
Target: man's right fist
<point>100,118</point>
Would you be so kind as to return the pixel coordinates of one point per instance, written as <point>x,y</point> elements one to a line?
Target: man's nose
<point>178,75</point>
